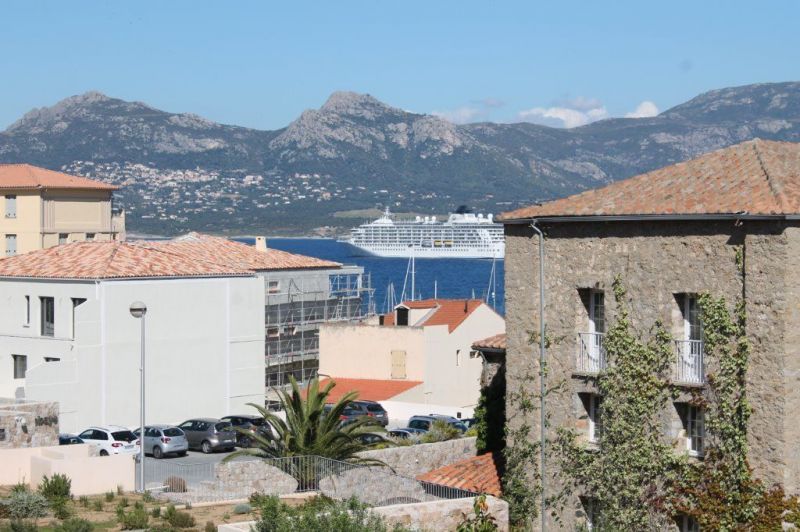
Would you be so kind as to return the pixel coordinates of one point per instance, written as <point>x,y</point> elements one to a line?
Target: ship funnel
<point>261,244</point>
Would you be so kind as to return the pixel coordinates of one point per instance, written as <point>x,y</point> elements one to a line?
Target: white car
<point>111,439</point>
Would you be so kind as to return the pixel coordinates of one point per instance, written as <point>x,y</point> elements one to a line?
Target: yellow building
<point>41,208</point>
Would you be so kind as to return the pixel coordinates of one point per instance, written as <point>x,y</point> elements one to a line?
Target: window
<point>62,238</point>
<point>27,311</point>
<point>90,236</point>
<point>11,245</point>
<point>11,206</point>
<point>402,316</point>
<point>398,364</point>
<point>592,509</point>
<point>597,312</point>
<point>695,430</point>
<point>688,524</point>
<point>48,312</point>
<point>273,287</point>
<point>273,332</point>
<point>593,405</point>
<point>76,302</point>
<point>20,366</point>
<point>458,357</point>
<point>52,359</point>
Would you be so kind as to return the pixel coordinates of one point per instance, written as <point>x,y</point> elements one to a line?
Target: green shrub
<point>109,496</point>
<point>26,505</point>
<point>83,500</point>
<point>156,512</point>
<point>134,520</point>
<point>22,526</point>
<point>148,497</point>
<point>440,431</point>
<point>139,505</point>
<point>75,524</point>
<point>318,515</point>
<point>57,486</point>
<point>178,519</point>
<point>61,507</point>
<point>97,505</point>
<point>123,503</point>
<point>481,520</point>
<point>20,487</point>
<point>240,509</point>
<point>210,527</point>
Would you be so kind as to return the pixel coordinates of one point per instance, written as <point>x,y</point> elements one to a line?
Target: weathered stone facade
<point>657,260</point>
<point>27,424</point>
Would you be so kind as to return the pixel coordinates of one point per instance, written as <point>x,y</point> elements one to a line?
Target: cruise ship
<point>464,235</point>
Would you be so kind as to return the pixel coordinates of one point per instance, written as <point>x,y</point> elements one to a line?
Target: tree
<point>310,430</point>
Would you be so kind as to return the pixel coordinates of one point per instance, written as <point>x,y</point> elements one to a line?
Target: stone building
<point>27,423</point>
<point>670,234</point>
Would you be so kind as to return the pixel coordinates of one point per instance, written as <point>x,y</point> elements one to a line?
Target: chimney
<point>466,306</point>
<point>261,244</point>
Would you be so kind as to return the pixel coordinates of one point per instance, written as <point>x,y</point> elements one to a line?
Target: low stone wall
<point>375,486</point>
<point>414,460</point>
<point>27,424</point>
<point>424,516</point>
<point>442,514</point>
<point>237,480</point>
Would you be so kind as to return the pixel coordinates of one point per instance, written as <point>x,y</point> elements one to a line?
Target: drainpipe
<point>543,433</point>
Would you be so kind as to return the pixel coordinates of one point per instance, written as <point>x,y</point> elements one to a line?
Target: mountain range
<point>182,172</point>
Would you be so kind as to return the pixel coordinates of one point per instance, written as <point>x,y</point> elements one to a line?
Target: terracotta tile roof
<point>26,176</point>
<point>191,256</point>
<point>242,255</point>
<point>757,177</point>
<point>368,389</point>
<point>450,312</point>
<point>479,474</point>
<point>112,260</point>
<point>498,342</point>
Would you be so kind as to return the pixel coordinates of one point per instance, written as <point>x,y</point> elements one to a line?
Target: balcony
<point>591,354</point>
<point>690,362</point>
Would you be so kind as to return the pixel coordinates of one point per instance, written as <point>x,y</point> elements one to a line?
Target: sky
<point>260,64</point>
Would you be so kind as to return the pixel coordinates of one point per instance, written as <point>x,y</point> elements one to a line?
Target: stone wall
<point>413,460</point>
<point>441,515</point>
<point>657,261</point>
<point>27,424</point>
<point>425,516</point>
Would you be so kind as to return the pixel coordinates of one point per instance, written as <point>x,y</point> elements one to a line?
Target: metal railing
<point>591,353</point>
<point>238,479</point>
<point>690,362</point>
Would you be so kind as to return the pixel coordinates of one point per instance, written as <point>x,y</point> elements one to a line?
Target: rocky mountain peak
<point>42,118</point>
<point>355,104</point>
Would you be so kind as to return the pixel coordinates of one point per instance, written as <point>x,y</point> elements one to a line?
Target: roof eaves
<point>647,217</point>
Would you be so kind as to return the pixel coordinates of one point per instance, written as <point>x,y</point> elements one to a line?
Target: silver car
<point>161,440</point>
<point>209,434</point>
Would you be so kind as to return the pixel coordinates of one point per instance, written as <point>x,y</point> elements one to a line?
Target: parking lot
<point>193,468</point>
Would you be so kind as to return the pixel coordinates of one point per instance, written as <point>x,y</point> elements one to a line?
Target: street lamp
<point>138,310</point>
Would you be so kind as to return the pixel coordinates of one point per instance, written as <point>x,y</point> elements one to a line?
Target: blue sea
<point>453,278</point>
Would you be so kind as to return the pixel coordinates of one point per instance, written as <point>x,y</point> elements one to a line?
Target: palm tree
<point>310,430</point>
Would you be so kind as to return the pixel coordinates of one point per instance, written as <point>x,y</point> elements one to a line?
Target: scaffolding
<point>295,311</point>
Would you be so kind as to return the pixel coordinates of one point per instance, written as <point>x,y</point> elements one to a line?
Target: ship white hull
<point>422,252</point>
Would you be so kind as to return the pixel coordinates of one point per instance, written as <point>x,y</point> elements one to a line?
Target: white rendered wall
<point>204,353</point>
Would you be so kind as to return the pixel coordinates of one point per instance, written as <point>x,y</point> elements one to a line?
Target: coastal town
<point>373,267</point>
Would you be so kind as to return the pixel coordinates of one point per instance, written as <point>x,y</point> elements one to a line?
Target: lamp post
<point>138,310</point>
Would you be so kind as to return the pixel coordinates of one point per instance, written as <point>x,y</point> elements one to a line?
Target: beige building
<point>670,234</point>
<point>424,344</point>
<point>41,208</point>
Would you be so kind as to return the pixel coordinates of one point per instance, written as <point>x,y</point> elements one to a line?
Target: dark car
<point>249,424</point>
<point>406,432</point>
<point>69,439</point>
<point>209,434</point>
<point>426,422</point>
<point>348,415</point>
<point>371,409</point>
<point>370,439</point>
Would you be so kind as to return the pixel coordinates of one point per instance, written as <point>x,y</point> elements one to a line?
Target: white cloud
<point>643,110</point>
<point>460,115</point>
<point>577,112</point>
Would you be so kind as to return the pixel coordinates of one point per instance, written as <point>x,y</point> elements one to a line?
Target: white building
<point>415,360</point>
<point>66,333</point>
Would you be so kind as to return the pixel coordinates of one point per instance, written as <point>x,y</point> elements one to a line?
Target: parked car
<point>111,439</point>
<point>209,434</point>
<point>161,440</point>
<point>69,439</point>
<point>469,422</point>
<point>348,415</point>
<point>406,432</point>
<point>371,439</point>
<point>371,409</point>
<point>251,424</point>
<point>425,422</point>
